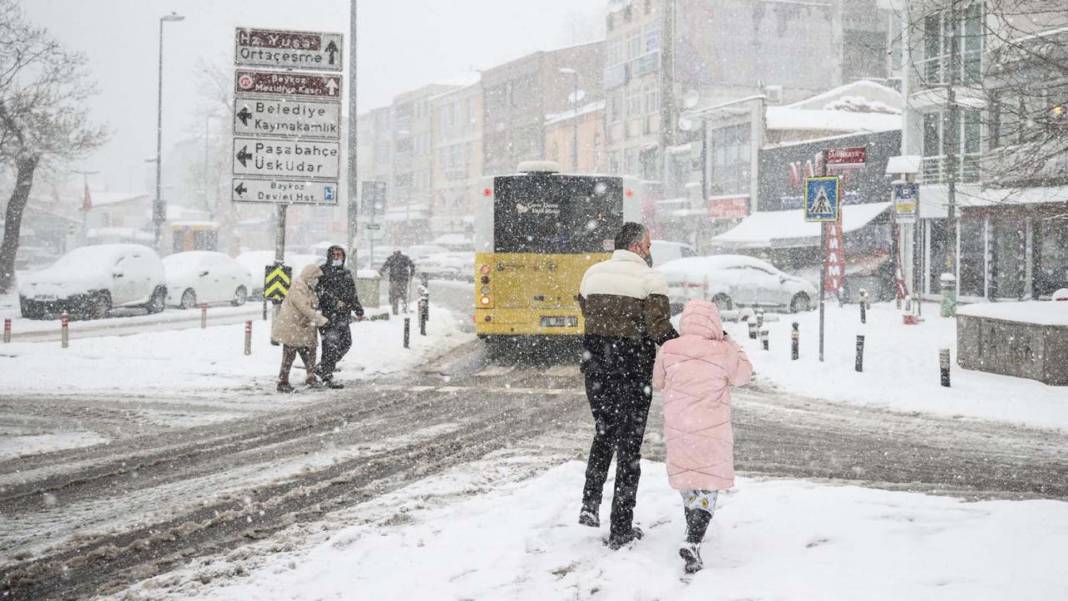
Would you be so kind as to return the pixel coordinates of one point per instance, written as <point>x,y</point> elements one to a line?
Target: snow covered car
<point>736,280</point>
<point>448,266</point>
<point>205,277</point>
<point>665,250</point>
<point>91,280</point>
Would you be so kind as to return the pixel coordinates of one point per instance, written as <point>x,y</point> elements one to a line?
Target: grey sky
<point>403,44</point>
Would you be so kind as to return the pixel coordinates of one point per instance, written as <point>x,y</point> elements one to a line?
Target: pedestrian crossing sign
<point>822,199</point>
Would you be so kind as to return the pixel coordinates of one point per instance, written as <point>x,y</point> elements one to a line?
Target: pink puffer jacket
<point>695,372</point>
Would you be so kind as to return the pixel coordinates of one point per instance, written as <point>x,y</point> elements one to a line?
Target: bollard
<point>407,330</point>
<point>943,363</point>
<point>248,337</point>
<point>863,306</point>
<point>7,331</point>
<point>795,340</point>
<point>422,316</point>
<point>752,330</point>
<point>265,309</point>
<point>860,352</point>
<point>64,330</point>
<point>203,316</point>
<point>764,339</point>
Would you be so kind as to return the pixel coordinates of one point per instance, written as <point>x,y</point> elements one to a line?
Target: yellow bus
<point>536,233</point>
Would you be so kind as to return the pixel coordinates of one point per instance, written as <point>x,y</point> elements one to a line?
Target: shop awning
<point>788,229</point>
<point>934,198</point>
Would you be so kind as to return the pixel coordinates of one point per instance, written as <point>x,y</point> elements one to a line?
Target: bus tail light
<point>485,301</point>
<point>485,269</point>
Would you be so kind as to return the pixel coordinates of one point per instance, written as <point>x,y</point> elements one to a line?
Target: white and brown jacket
<point>627,313</point>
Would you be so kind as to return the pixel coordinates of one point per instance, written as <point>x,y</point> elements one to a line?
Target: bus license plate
<point>559,322</point>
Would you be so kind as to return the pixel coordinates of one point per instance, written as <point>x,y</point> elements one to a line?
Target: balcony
<point>936,171</point>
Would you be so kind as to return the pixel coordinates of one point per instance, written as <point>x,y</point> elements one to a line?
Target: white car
<point>256,262</point>
<point>665,250</point>
<point>91,280</point>
<point>205,277</point>
<point>449,266</point>
<point>736,280</point>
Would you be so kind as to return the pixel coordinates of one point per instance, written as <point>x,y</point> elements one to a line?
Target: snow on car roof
<point>699,266</point>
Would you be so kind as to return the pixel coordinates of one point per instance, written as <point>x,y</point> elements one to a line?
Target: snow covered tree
<point>43,115</point>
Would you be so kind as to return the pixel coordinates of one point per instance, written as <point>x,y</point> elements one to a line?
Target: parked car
<point>665,250</point>
<point>91,280</point>
<point>736,280</point>
<point>448,266</point>
<point>205,277</point>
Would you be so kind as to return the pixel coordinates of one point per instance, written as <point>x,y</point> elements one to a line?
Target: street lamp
<point>574,114</point>
<point>159,210</point>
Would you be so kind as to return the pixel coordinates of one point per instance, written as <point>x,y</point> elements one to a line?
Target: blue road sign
<point>822,200</point>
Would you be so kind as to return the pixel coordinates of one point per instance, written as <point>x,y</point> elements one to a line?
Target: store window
<point>1008,258</point>
<point>1051,255</point>
<point>972,257</point>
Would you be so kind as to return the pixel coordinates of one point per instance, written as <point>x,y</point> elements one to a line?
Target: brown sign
<point>846,156</point>
<point>277,83</point>
<point>309,50</point>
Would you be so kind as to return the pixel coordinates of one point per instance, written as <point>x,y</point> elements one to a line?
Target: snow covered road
<point>106,516</point>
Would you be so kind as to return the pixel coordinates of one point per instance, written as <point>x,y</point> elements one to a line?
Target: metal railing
<point>936,170</point>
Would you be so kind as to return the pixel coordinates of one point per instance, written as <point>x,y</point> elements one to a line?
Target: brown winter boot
<point>283,386</point>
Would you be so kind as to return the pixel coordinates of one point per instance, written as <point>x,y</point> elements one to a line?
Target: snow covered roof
<point>785,229</point>
<point>103,199</point>
<point>863,95</point>
<point>934,198</point>
<point>787,118</point>
<point>593,107</point>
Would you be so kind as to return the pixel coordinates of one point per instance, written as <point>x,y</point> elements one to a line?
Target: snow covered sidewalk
<point>900,367</point>
<point>770,539</point>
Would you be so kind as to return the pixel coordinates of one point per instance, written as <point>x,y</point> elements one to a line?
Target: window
<point>634,101</point>
<point>939,31</point>
<point>652,38</point>
<point>634,46</point>
<point>937,145</point>
<point>652,99</point>
<point>615,106</point>
<point>729,150</point>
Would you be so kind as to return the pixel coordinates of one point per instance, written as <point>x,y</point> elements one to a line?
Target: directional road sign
<point>271,191</point>
<point>280,158</point>
<point>276,282</point>
<point>307,50</point>
<point>290,118</point>
<point>290,85</point>
<point>822,199</point>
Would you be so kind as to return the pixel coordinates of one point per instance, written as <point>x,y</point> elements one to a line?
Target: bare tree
<point>43,119</point>
<point>1004,64</point>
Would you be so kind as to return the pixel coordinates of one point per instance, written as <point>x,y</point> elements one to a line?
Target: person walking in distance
<point>401,269</point>
<point>627,315</point>
<point>696,372</point>
<point>338,302</point>
<point>295,327</point>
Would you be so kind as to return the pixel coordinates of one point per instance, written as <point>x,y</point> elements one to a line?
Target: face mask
<point>337,262</point>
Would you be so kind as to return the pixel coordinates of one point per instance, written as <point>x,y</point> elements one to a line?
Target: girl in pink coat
<point>695,372</point>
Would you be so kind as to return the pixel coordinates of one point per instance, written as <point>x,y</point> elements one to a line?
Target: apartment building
<point>519,95</point>
<point>457,142</point>
<point>988,89</point>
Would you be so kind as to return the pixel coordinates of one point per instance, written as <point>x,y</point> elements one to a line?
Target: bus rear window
<point>556,214</point>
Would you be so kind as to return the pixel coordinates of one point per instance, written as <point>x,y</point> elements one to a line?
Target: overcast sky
<point>403,44</point>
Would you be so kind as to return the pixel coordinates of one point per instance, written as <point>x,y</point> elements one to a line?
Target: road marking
<point>496,370</point>
<point>564,371</point>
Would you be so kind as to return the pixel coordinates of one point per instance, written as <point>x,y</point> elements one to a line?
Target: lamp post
<point>159,210</point>
<point>574,114</point>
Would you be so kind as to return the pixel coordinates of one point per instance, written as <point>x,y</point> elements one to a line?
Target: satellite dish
<point>685,124</point>
<point>690,99</point>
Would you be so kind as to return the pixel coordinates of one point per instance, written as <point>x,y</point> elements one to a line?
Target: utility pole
<point>668,111</point>
<point>85,207</point>
<point>952,134</point>
<point>353,174</point>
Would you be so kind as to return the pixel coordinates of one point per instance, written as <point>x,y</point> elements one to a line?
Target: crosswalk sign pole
<point>823,280</point>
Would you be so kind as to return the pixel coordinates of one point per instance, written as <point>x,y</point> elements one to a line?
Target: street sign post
<point>281,158</point>
<point>823,203</point>
<point>276,282</point>
<point>906,202</point>
<point>288,118</point>
<point>270,191</point>
<point>306,50</point>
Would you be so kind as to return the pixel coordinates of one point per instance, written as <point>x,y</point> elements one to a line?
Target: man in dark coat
<point>401,269</point>
<point>337,302</point>
<point>627,313</point>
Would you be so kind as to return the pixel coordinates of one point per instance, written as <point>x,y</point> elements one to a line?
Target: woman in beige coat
<point>296,327</point>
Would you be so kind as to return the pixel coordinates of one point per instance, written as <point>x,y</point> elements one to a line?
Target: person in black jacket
<point>337,301</point>
<point>401,269</point>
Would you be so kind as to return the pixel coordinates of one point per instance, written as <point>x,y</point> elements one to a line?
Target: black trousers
<point>337,340</point>
<point>620,407</point>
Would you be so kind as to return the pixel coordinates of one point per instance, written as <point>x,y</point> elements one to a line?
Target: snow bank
<point>205,359</point>
<point>772,539</point>
<point>1045,313</point>
<point>901,369</point>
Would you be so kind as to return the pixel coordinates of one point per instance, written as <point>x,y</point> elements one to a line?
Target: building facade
<point>519,95</point>
<point>575,139</point>
<point>457,142</point>
<point>987,93</point>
